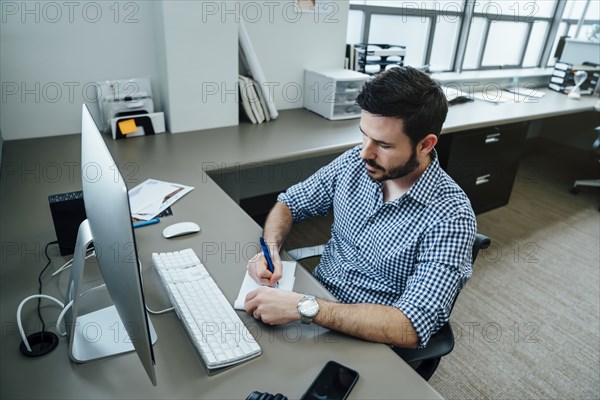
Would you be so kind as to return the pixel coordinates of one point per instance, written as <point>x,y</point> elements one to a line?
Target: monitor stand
<point>98,334</point>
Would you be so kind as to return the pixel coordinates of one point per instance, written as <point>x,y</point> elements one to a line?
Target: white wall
<point>51,53</point>
<point>199,61</point>
<point>286,43</point>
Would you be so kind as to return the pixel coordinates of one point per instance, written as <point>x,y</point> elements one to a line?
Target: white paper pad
<point>249,284</point>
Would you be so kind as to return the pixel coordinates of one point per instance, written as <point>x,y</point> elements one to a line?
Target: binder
<point>245,100</point>
<point>249,55</point>
<point>563,77</point>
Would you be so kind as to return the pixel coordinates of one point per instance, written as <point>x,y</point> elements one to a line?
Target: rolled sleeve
<point>314,196</point>
<point>444,265</point>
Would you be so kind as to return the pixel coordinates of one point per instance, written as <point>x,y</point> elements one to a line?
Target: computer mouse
<point>180,229</point>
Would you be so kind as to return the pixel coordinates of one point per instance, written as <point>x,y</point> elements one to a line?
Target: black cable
<point>39,311</point>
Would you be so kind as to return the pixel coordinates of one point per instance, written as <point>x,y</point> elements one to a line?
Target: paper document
<point>526,92</point>
<point>452,93</point>
<point>490,96</point>
<point>249,284</point>
<point>151,197</point>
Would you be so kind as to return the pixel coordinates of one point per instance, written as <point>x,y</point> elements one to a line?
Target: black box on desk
<point>68,212</point>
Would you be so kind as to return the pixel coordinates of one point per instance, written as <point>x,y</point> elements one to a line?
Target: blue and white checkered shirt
<point>413,253</point>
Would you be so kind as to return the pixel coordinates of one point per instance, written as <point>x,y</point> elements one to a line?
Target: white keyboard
<point>217,332</point>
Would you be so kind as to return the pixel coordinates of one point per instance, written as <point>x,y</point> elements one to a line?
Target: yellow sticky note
<point>127,126</point>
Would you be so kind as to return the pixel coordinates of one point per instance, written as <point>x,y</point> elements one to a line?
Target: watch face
<point>309,307</point>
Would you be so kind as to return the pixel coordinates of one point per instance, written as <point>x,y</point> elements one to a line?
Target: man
<point>403,231</point>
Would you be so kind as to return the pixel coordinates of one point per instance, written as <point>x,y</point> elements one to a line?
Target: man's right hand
<point>258,270</point>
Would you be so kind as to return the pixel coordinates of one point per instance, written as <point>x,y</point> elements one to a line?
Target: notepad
<point>285,283</point>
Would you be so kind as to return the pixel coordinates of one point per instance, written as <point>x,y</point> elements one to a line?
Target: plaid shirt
<point>413,253</point>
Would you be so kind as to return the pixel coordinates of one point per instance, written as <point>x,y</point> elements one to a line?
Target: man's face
<point>386,149</point>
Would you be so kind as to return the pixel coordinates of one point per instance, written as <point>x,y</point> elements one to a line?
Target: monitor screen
<point>109,218</point>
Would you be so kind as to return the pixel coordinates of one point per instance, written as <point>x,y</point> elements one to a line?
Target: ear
<point>427,144</point>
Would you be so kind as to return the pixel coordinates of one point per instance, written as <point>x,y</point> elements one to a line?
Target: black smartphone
<point>334,382</point>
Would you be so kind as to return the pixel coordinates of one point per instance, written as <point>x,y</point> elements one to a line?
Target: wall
<point>51,53</point>
<point>198,66</point>
<point>287,42</point>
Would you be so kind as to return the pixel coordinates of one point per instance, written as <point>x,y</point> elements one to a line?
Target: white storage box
<point>332,93</point>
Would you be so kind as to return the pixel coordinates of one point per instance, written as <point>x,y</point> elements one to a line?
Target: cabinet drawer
<point>494,144</point>
<point>473,170</point>
<point>484,162</point>
<point>488,189</point>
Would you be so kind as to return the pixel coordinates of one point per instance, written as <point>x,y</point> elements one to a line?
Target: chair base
<point>585,182</point>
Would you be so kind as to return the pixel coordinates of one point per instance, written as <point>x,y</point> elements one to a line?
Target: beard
<point>395,172</point>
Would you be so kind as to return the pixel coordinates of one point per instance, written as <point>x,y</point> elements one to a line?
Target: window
<point>429,29</point>
<point>473,34</point>
<point>578,21</point>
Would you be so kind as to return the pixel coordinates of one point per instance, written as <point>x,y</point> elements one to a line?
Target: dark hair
<point>408,94</point>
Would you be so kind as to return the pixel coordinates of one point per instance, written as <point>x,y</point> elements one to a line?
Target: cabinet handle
<point>480,180</point>
<point>492,138</point>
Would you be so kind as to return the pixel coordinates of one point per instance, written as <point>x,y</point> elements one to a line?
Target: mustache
<point>373,164</point>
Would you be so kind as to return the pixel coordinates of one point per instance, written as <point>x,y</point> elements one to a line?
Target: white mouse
<point>180,229</point>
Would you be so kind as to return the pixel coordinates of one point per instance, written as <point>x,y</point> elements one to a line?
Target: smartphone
<point>334,382</point>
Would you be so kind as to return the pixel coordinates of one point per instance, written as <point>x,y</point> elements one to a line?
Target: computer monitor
<point>124,326</point>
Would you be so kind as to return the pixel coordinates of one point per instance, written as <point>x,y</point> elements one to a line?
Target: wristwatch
<point>308,308</point>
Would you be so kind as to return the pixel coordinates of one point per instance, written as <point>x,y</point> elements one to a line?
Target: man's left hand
<point>273,306</point>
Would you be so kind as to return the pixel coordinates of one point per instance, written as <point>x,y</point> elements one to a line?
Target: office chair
<point>589,182</point>
<point>426,360</point>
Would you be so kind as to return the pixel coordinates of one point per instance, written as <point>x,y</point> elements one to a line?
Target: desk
<point>292,355</point>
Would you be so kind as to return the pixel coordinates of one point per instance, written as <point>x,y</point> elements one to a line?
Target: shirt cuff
<point>285,199</point>
<point>421,321</point>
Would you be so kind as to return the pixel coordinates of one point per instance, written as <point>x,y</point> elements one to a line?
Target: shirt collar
<point>422,190</point>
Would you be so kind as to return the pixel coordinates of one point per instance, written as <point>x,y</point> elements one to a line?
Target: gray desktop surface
<point>299,133</point>
<point>292,355</point>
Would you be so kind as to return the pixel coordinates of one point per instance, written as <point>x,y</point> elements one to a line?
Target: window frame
<point>432,15</point>
<point>466,17</point>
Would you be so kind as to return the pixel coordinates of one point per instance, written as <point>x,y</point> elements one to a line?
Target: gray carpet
<point>528,322</point>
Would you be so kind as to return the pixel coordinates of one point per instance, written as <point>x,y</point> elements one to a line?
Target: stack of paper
<point>285,283</point>
<point>151,197</point>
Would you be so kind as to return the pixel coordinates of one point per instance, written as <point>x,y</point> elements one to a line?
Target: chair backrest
<point>481,242</point>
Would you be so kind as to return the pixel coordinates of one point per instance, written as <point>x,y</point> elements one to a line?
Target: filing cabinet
<point>484,162</point>
<point>332,93</point>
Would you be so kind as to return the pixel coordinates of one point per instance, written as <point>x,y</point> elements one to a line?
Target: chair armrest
<point>481,242</point>
<point>440,344</point>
